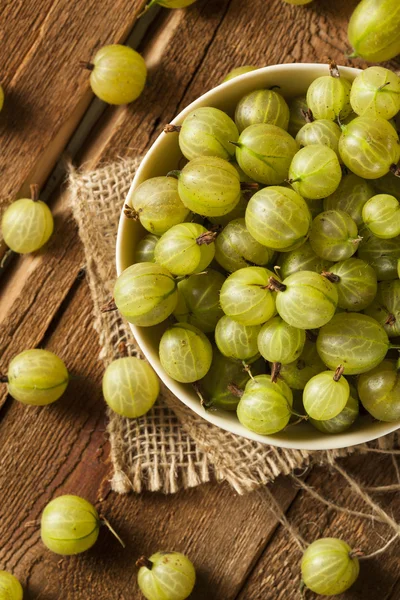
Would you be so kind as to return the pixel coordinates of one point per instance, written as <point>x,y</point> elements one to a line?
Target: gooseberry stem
<point>308,115</point>
<point>86,65</point>
<point>356,240</point>
<point>394,346</point>
<point>338,373</point>
<point>34,192</point>
<point>104,521</point>
<point>175,174</point>
<point>246,368</point>
<point>275,285</point>
<point>3,378</point>
<point>382,86</point>
<point>333,69</point>
<point>131,213</point>
<point>249,186</point>
<point>235,390</point>
<point>395,169</point>
<point>275,371</point>
<point>143,561</point>
<point>109,306</point>
<point>332,277</point>
<point>207,238</point>
<point>172,128</point>
<point>237,144</point>
<point>196,387</point>
<point>391,320</point>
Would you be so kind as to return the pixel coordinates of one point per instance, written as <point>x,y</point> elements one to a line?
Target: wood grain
<point>239,551</point>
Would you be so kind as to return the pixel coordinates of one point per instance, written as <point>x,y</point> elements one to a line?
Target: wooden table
<point>240,550</point>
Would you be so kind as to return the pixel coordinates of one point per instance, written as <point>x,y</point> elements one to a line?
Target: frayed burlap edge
<point>170,448</point>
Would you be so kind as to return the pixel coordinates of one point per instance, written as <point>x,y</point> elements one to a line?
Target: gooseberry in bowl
<point>304,297</point>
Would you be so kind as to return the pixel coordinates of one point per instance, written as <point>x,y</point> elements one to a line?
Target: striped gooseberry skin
<point>328,568</point>
<point>280,342</point>
<point>374,30</point>
<point>381,254</point>
<point>208,131</point>
<point>69,525</point>
<point>27,225</point>
<point>300,371</point>
<point>315,172</point>
<point>237,341</point>
<point>118,75</point>
<point>353,340</point>
<point>198,300</point>
<point>265,407</point>
<point>323,132</point>
<point>381,214</point>
<point>209,186</point>
<point>297,108</point>
<point>185,353</point>
<point>130,387</point>
<point>180,249</point>
<point>350,197</point>
<point>376,93</point>
<point>324,397</point>
<point>278,218</point>
<point>379,391</point>
<point>10,587</point>
<point>302,259</point>
<point>357,286</point>
<point>223,373</point>
<point>344,420</point>
<point>386,307</point>
<point>265,152</point>
<point>157,204</point>
<point>238,71</point>
<point>170,576</point>
<point>334,235</point>
<point>37,377</point>
<point>262,106</point>
<point>329,98</point>
<point>145,248</point>
<point>235,248</point>
<point>245,296</point>
<point>145,294</point>
<point>369,146</point>
<point>308,300</point>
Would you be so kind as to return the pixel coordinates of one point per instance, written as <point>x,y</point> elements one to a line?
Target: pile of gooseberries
<point>270,262</point>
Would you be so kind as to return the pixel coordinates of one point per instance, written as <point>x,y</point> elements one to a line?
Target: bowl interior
<point>293,80</point>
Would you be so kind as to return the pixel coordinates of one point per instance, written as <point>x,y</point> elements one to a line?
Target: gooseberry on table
<point>69,525</point>
<point>329,567</point>
<point>117,74</point>
<point>10,587</point>
<point>167,575</point>
<point>374,30</point>
<point>36,377</point>
<point>27,223</point>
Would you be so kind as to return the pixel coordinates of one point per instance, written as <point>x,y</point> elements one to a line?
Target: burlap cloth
<point>171,447</point>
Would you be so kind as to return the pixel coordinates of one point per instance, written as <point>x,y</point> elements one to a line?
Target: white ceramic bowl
<point>164,156</point>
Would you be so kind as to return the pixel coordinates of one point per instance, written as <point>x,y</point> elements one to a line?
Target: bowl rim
<point>347,439</point>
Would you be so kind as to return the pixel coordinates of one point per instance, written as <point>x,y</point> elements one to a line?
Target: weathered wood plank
<point>276,576</point>
<point>46,93</point>
<point>50,451</point>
